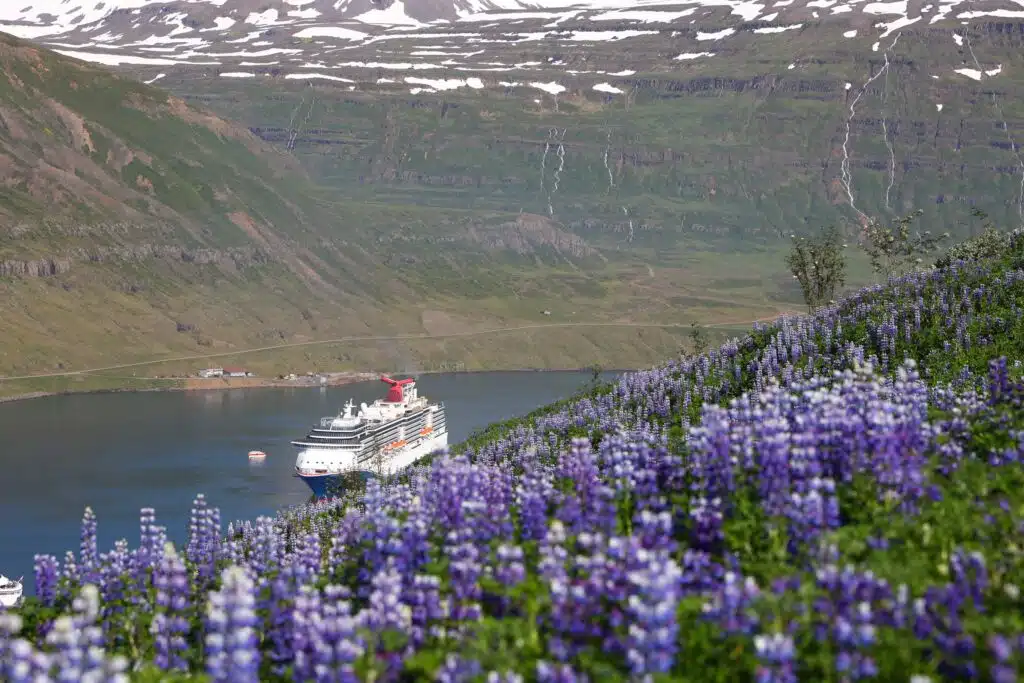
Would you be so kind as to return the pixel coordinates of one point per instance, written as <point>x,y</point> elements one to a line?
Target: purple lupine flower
<point>20,662</point>
<point>46,578</point>
<point>532,495</point>
<point>151,541</point>
<point>557,673</point>
<point>711,459</point>
<point>343,535</point>
<point>170,622</point>
<point>653,631</point>
<point>427,610</point>
<point>266,547</point>
<point>385,610</point>
<point>281,626</point>
<point>812,514</point>
<point>203,538</point>
<point>970,574</point>
<point>233,548</point>
<point>76,643</point>
<point>464,571</point>
<point>730,605</point>
<point>12,663</point>
<point>415,543</point>
<point>552,569</point>
<point>305,620</point>
<point>88,558</point>
<point>772,448</point>
<point>336,643</point>
<point>113,572</point>
<point>457,669</point>
<point>1002,650</point>
<point>309,555</point>
<point>706,520</point>
<point>776,656</point>
<point>510,570</point>
<point>654,530</point>
<point>854,635</point>
<point>232,653</point>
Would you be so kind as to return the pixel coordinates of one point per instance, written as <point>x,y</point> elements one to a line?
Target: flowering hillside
<point>834,498</point>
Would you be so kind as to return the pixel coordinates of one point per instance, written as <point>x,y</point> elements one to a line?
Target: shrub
<point>818,264</point>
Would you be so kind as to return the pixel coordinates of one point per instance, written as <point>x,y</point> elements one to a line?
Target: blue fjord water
<point>121,452</point>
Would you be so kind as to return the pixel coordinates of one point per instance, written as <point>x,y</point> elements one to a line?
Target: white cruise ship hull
<point>324,469</point>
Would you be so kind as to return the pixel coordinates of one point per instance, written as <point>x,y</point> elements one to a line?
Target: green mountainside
<point>744,141</point>
<point>132,223</point>
<point>136,227</point>
<point>658,187</point>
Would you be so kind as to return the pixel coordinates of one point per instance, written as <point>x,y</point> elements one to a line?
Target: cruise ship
<point>378,440</point>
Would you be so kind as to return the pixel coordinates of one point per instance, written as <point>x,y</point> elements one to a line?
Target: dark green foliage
<point>894,250</point>
<point>990,243</point>
<point>819,266</point>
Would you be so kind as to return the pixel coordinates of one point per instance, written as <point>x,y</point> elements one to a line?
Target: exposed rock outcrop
<point>46,267</point>
<point>528,233</point>
<point>238,257</point>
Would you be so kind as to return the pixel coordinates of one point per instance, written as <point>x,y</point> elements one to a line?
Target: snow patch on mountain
<point>715,35</point>
<point>394,15</point>
<point>777,29</point>
<point>977,75</point>
<point>455,39</point>
<point>330,32</point>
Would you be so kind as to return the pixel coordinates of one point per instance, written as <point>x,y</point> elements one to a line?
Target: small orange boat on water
<point>257,455</point>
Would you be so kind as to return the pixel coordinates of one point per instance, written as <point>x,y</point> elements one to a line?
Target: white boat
<point>10,591</point>
<point>257,455</point>
<point>378,440</point>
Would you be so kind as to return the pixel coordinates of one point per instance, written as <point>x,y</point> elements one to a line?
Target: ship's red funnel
<point>395,393</point>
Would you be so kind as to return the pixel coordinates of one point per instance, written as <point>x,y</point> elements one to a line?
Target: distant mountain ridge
<point>622,120</point>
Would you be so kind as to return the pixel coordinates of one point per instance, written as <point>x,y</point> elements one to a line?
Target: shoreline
<point>334,380</point>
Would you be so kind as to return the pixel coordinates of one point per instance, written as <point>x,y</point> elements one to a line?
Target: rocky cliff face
<point>237,258</point>
<point>47,267</point>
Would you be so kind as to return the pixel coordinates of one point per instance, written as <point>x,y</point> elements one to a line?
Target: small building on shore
<point>211,372</point>
<point>236,372</point>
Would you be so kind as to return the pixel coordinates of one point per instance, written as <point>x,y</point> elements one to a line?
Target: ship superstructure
<point>379,439</point>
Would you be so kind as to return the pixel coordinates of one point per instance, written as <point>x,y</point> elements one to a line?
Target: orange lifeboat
<point>257,455</point>
<point>426,430</point>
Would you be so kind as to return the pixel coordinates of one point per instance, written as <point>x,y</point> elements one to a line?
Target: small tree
<point>894,250</point>
<point>699,338</point>
<point>818,264</point>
